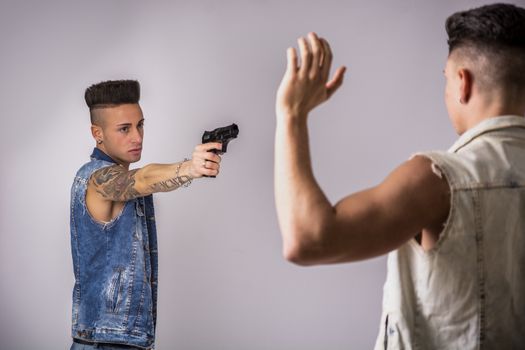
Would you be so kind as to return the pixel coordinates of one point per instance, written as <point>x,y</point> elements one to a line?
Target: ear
<point>97,133</point>
<point>465,85</point>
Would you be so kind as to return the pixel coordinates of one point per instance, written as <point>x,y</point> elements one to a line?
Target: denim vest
<point>468,292</point>
<point>115,266</point>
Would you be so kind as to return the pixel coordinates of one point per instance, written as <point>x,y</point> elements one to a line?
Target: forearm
<point>303,210</point>
<point>154,178</point>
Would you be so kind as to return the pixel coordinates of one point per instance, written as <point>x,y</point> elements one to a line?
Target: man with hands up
<point>362,225</point>
<point>452,222</point>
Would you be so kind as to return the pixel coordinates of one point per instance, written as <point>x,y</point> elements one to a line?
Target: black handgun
<point>222,135</point>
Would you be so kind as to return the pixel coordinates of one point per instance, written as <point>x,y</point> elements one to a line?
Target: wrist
<point>185,168</point>
<point>290,112</point>
<point>183,173</point>
<point>291,119</point>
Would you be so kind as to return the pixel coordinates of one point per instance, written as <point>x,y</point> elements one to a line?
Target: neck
<point>492,107</point>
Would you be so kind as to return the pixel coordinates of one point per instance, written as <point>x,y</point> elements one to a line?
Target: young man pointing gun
<point>113,234</point>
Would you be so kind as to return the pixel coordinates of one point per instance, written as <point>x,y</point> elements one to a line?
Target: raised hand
<point>306,86</point>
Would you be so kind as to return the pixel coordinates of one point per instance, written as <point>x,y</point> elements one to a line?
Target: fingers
<point>316,57</point>
<point>205,167</point>
<point>210,168</point>
<point>306,57</point>
<point>291,56</point>
<point>206,156</point>
<point>205,162</point>
<point>336,81</point>
<point>208,164</point>
<point>317,54</point>
<point>327,59</point>
<point>201,167</point>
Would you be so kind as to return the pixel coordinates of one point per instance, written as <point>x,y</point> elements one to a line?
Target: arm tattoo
<point>116,183</point>
<point>170,184</point>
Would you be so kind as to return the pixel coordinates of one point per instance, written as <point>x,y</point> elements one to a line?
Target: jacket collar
<point>99,155</point>
<point>488,125</point>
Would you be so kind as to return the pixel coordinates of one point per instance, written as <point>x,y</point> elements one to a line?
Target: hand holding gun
<point>223,135</point>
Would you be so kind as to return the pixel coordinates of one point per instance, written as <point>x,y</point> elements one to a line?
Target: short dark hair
<point>112,93</point>
<point>490,25</point>
<point>496,32</point>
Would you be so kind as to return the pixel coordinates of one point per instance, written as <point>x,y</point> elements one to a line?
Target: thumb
<point>336,81</point>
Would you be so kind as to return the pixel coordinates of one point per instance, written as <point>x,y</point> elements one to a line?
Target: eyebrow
<point>129,124</point>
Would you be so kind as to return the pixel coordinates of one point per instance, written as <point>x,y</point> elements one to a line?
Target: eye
<point>140,126</point>
<point>124,129</point>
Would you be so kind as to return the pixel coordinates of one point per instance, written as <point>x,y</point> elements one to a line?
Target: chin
<point>130,159</point>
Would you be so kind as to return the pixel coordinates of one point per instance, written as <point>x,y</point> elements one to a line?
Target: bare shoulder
<point>418,170</point>
<point>375,221</point>
<point>418,189</point>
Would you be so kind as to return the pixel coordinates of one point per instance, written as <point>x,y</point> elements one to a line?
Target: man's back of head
<point>491,40</point>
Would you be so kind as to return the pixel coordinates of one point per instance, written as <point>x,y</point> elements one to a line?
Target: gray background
<point>204,64</point>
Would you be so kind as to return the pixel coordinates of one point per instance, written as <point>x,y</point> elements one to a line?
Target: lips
<point>135,150</point>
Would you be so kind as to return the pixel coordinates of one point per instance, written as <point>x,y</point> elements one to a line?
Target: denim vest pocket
<point>114,291</point>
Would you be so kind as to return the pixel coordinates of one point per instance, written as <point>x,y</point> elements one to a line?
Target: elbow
<point>297,257</point>
<point>308,242</point>
<point>302,252</point>
<point>294,255</point>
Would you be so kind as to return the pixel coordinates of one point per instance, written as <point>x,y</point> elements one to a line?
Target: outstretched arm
<point>362,225</point>
<point>117,184</point>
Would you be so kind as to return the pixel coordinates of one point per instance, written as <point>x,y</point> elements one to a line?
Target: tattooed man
<point>113,235</point>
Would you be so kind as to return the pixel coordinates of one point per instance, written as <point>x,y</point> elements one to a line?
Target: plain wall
<point>201,65</point>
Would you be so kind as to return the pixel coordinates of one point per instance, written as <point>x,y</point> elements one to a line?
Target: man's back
<point>453,222</point>
<point>471,285</point>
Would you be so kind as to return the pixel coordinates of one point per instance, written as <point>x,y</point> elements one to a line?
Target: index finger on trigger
<point>210,146</point>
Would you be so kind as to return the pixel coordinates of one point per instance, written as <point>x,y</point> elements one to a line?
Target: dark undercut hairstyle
<point>492,37</point>
<point>110,94</point>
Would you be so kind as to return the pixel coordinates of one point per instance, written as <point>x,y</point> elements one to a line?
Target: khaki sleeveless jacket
<point>468,292</point>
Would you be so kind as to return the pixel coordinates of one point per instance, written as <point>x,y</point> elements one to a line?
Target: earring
<point>99,141</point>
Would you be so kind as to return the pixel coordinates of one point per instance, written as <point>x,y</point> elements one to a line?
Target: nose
<point>137,136</point>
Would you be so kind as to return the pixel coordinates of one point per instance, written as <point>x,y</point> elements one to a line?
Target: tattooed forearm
<point>116,183</point>
<point>170,184</point>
